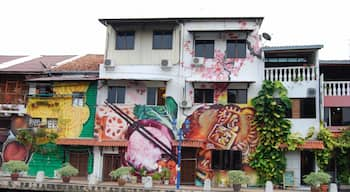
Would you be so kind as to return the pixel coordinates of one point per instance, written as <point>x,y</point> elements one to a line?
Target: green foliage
<point>25,137</point>
<point>157,176</point>
<point>343,166</point>
<point>143,171</point>
<point>165,173</point>
<point>315,179</point>
<point>294,140</point>
<point>15,166</point>
<point>121,171</point>
<point>310,133</point>
<point>237,177</point>
<point>68,170</point>
<point>273,128</point>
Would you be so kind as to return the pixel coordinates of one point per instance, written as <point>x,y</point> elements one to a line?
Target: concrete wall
<point>293,164</point>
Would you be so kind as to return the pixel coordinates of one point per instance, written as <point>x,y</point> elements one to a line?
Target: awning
<point>308,145</point>
<point>189,143</point>
<point>92,142</point>
<point>65,78</point>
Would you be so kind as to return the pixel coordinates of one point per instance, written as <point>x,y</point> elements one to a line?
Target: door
<point>188,165</point>
<point>307,164</point>
<point>79,160</point>
<point>110,163</point>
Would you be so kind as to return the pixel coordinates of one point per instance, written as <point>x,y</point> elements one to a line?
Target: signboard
<point>288,179</point>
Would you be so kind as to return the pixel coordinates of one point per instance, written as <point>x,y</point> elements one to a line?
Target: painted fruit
<point>13,150</point>
<point>143,153</point>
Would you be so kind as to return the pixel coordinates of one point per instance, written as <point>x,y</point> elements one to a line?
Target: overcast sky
<point>72,27</point>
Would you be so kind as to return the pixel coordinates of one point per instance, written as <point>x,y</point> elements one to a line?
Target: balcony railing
<point>12,98</point>
<point>336,88</point>
<point>290,74</point>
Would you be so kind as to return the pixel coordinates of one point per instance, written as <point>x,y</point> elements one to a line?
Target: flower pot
<point>314,189</point>
<point>157,182</point>
<point>236,187</point>
<point>65,179</point>
<point>121,182</point>
<point>324,187</point>
<point>166,182</point>
<point>14,176</point>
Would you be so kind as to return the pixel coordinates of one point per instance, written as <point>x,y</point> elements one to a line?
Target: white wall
<point>302,126</point>
<point>142,52</point>
<point>293,164</point>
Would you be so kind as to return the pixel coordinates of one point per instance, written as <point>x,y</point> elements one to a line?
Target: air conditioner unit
<point>311,92</point>
<point>198,61</point>
<point>165,64</point>
<point>185,104</point>
<point>108,63</point>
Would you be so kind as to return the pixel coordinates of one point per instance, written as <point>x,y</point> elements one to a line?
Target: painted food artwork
<point>141,152</point>
<point>223,127</point>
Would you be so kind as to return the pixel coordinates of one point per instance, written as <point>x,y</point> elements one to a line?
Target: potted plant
<point>165,175</point>
<point>316,179</point>
<point>120,174</point>
<point>15,167</point>
<point>67,171</point>
<point>237,178</point>
<point>324,178</point>
<point>143,174</point>
<point>157,178</point>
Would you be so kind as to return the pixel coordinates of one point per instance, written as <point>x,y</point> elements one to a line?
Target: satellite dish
<point>266,36</point>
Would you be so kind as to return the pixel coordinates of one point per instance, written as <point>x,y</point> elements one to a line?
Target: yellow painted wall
<point>70,119</point>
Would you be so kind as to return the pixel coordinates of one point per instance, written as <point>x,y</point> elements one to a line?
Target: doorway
<point>79,160</point>
<point>307,159</point>
<point>110,163</point>
<point>188,165</point>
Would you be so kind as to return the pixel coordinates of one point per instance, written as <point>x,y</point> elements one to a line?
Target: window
<point>52,123</point>
<point>237,96</point>
<point>236,49</point>
<point>125,40</point>
<point>155,96</point>
<point>204,95</point>
<point>226,160</point>
<point>45,90</point>
<point>78,99</point>
<point>35,122</point>
<point>307,108</point>
<point>116,94</point>
<point>339,116</point>
<point>204,48</point>
<point>162,39</point>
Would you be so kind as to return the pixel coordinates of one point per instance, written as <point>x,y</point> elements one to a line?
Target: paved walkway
<point>81,185</point>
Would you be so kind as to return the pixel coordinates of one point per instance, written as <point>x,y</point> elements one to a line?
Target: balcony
<point>12,98</point>
<point>336,88</point>
<point>291,74</point>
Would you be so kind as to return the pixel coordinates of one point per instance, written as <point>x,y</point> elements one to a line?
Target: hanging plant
<point>268,159</point>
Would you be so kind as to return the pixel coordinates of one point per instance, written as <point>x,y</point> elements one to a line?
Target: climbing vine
<point>274,129</point>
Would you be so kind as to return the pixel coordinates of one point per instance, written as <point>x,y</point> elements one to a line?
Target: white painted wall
<point>302,126</point>
<point>142,52</point>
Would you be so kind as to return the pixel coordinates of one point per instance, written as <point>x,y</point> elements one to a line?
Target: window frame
<point>226,159</point>
<point>78,95</point>
<point>157,101</point>
<point>37,124</point>
<point>245,99</point>
<point>204,97</point>
<point>204,54</point>
<point>235,52</point>
<point>115,94</point>
<point>49,120</point>
<point>123,36</point>
<point>162,34</point>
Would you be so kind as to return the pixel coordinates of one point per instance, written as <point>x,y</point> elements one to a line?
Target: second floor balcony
<point>12,98</point>
<point>291,74</point>
<point>336,88</point>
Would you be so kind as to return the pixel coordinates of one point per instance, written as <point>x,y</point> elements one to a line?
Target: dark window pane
<point>204,48</point>
<point>226,160</point>
<point>340,116</point>
<point>120,94</point>
<point>111,94</point>
<point>125,40</point>
<point>161,96</point>
<point>236,48</point>
<point>288,113</point>
<point>237,96</point>
<point>308,108</point>
<point>151,95</point>
<point>326,116</point>
<point>204,96</point>
<point>162,39</point>
<point>116,94</point>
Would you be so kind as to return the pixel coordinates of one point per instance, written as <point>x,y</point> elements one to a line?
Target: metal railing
<point>290,74</point>
<point>336,88</point>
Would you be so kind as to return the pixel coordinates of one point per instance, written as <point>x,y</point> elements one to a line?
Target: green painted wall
<point>88,127</point>
<point>48,161</point>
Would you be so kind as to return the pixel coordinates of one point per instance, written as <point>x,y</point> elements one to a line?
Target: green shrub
<point>165,173</point>
<point>156,176</point>
<point>237,177</point>
<point>121,171</point>
<point>15,166</point>
<point>315,179</point>
<point>68,170</point>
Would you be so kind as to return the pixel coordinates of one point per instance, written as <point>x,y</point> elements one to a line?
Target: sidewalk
<point>80,185</point>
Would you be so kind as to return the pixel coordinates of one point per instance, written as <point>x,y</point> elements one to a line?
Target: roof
<point>308,145</point>
<point>292,47</point>
<point>39,64</point>
<point>7,58</point>
<point>89,62</point>
<point>172,19</point>
<point>334,62</point>
<point>66,78</point>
